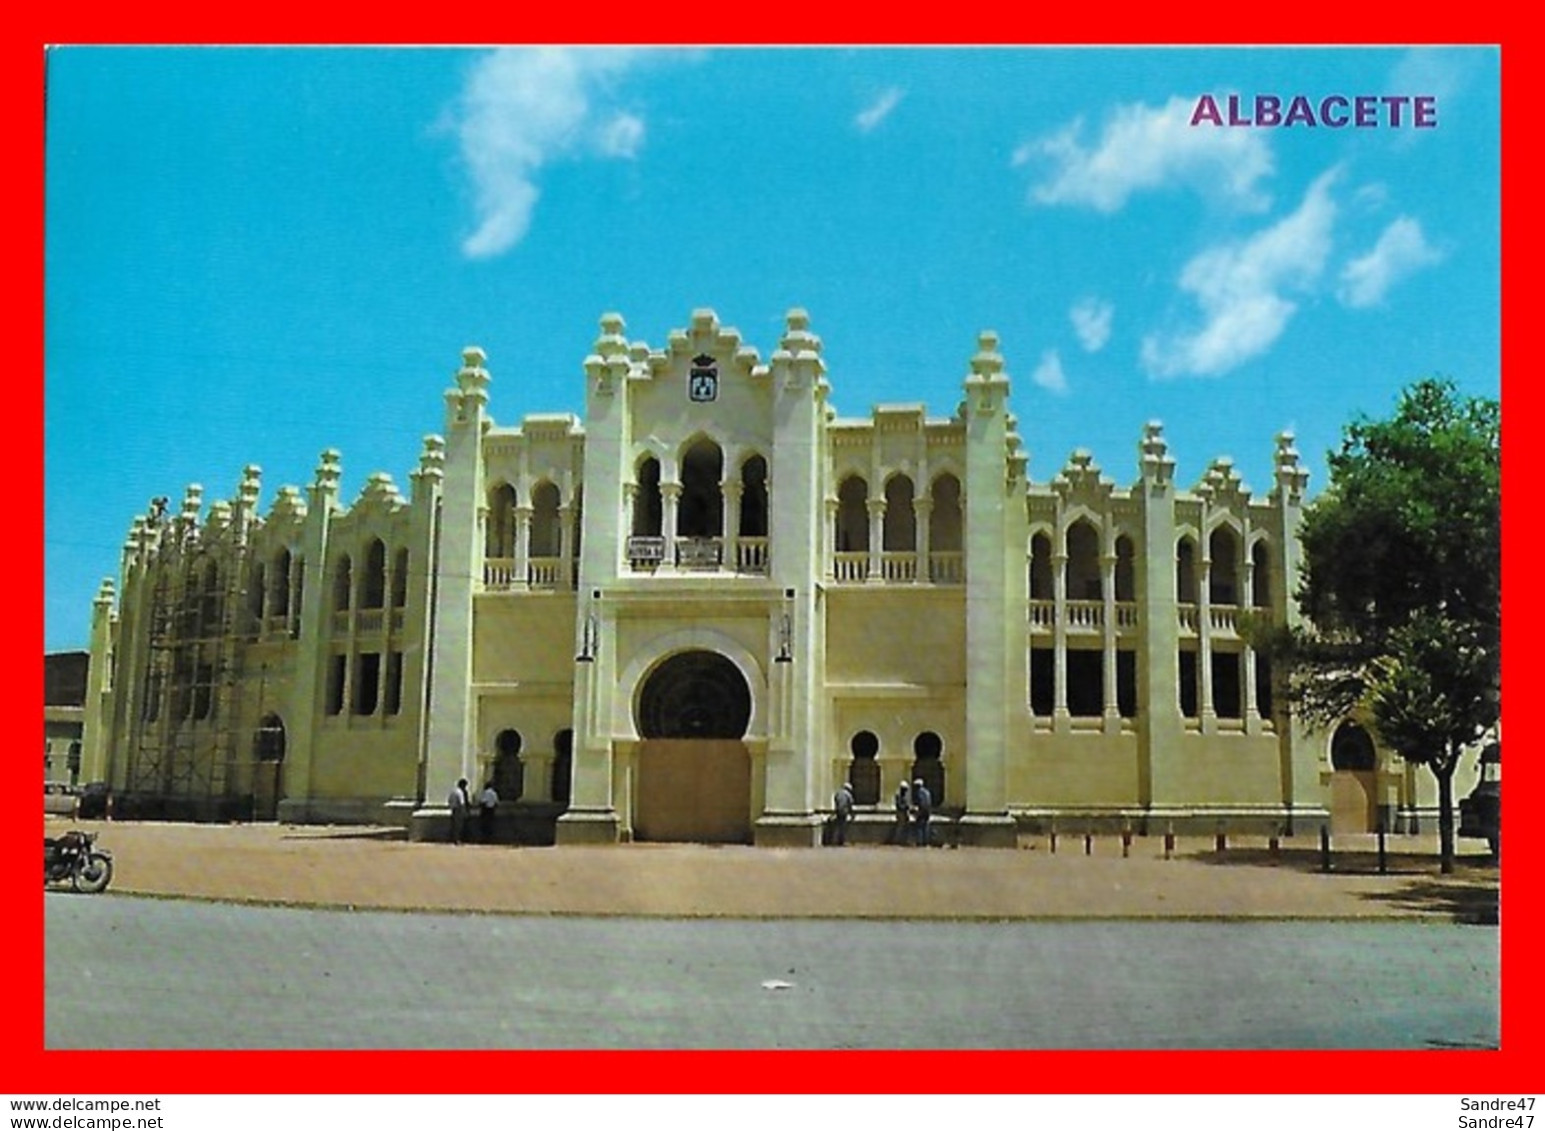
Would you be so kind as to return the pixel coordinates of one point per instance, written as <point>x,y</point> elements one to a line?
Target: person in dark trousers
<point>842,813</point>
<point>922,811</point>
<point>459,803</point>
<point>487,806</point>
<point>903,831</point>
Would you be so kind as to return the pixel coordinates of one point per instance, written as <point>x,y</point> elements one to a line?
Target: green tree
<point>1402,581</point>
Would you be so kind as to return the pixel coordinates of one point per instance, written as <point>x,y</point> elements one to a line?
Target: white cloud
<point>880,110</point>
<point>623,136</point>
<point>1240,289</point>
<point>1401,251</point>
<point>1144,147</point>
<point>1439,71</point>
<point>1049,375</point>
<point>522,108</point>
<point>1091,319</point>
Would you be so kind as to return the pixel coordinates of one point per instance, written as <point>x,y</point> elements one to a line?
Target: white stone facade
<point>695,613</point>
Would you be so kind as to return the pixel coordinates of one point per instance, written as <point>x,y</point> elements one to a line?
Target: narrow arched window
<point>1083,564</point>
<point>701,513</point>
<point>945,525</point>
<point>343,584</point>
<point>853,515</point>
<point>373,594</point>
<point>400,579</point>
<point>1223,573</point>
<point>899,533</point>
<point>753,498</point>
<point>646,499</point>
<point>1185,572</point>
<point>1260,575</point>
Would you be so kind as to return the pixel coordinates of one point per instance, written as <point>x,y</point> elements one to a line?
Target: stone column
<point>1059,592</point>
<point>1204,639</point>
<point>520,572</point>
<point>731,490</point>
<point>670,500</point>
<point>876,509</point>
<point>922,511</point>
<point>1247,654</point>
<point>565,545</point>
<point>451,746</point>
<point>1112,709</point>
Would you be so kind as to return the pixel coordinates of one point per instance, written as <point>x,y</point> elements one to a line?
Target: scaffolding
<point>183,754</point>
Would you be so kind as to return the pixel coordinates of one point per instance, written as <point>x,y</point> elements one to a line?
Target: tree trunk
<point>1444,772</point>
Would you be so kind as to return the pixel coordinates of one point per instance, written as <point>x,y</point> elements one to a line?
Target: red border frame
<point>24,1066</point>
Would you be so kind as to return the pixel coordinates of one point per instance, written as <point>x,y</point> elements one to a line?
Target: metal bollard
<point>1324,848</point>
<point>1383,859</point>
<point>1054,838</point>
<point>1274,845</point>
<point>1169,841</point>
<point>1126,841</point>
<point>1088,844</point>
<point>1220,843</point>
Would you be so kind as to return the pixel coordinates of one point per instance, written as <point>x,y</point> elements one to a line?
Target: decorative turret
<point>380,491</point>
<point>246,502</point>
<point>431,466</point>
<point>1292,478</point>
<point>324,488</point>
<point>1156,466</point>
<point>987,388</point>
<point>470,395</point>
<point>611,358</point>
<point>1222,487</point>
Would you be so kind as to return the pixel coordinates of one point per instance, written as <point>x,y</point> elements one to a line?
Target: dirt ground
<point>362,867</point>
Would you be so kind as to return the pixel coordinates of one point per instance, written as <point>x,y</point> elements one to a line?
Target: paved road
<point>251,977</point>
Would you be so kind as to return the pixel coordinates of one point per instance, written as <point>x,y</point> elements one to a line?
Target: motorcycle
<point>75,857</point>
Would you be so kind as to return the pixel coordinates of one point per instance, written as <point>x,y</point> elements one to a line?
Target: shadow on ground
<point>1469,895</point>
<point>346,833</point>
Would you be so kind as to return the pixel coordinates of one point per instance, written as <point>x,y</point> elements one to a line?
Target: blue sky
<point>255,254</point>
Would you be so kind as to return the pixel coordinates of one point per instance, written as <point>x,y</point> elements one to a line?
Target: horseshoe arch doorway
<point>693,776</point>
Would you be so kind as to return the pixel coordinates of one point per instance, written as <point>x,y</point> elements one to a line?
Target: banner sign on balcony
<point>702,553</point>
<point>644,548</point>
<point>703,379</point>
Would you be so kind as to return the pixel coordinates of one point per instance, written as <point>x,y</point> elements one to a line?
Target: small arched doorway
<point>693,778</point>
<point>1354,802</point>
<point>267,768</point>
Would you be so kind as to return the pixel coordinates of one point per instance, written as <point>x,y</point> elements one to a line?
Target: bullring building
<point>697,611</point>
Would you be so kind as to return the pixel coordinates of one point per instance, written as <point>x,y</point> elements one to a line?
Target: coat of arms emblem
<point>703,379</point>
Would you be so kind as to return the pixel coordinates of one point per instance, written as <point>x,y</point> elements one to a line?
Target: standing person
<point>487,806</point>
<point>922,810</point>
<point>459,803</point>
<point>842,813</point>
<point>902,832</point>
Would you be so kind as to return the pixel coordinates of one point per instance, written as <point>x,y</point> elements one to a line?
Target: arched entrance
<point>1354,802</point>
<point>267,768</point>
<point>693,770</point>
